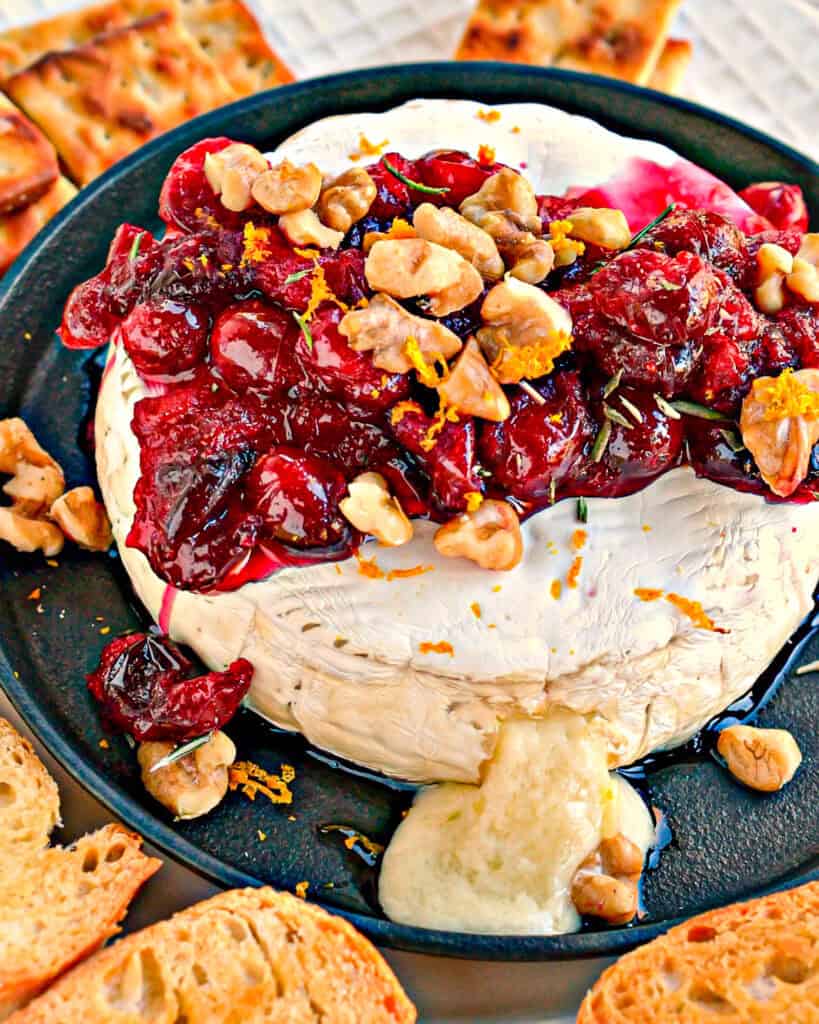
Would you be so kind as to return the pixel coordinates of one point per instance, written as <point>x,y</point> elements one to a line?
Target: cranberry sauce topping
<point>267,413</point>
<point>148,688</point>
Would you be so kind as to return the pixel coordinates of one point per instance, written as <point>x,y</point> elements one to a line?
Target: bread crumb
<point>105,744</point>
<point>34,595</point>
<point>301,890</point>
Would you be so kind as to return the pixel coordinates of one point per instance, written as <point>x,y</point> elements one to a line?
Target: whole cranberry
<point>347,375</point>
<point>551,208</point>
<point>165,338</point>
<point>393,198</point>
<point>88,316</point>
<point>715,454</point>
<point>134,259</point>
<point>297,497</point>
<point>253,346</point>
<point>454,170</point>
<point>708,235</point>
<point>344,273</point>
<point>539,445</point>
<point>800,327</point>
<point>193,270</point>
<point>187,201</point>
<point>150,690</point>
<point>783,205</point>
<point>634,455</point>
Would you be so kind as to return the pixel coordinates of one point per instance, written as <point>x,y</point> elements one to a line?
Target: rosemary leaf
<point>702,412</point>
<point>631,408</point>
<point>733,440</point>
<point>410,183</point>
<point>601,441</point>
<point>636,239</point>
<point>532,393</point>
<point>582,510</point>
<point>298,275</point>
<point>305,330</point>
<point>180,752</point>
<point>137,242</point>
<point>666,407</point>
<point>616,417</point>
<point>613,383</point>
<point>552,491</point>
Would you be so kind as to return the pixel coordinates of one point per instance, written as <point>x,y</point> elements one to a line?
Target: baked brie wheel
<point>578,552</point>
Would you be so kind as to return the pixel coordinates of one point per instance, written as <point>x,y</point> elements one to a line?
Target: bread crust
<point>19,228</point>
<point>28,161</point>
<point>253,955</point>
<point>742,964</point>
<point>31,805</point>
<point>671,66</point>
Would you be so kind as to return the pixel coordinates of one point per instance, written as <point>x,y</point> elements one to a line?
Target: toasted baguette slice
<point>253,956</point>
<point>750,962</point>
<point>618,38</point>
<point>100,101</point>
<point>667,76</point>
<point>17,229</point>
<point>56,905</point>
<point>28,161</point>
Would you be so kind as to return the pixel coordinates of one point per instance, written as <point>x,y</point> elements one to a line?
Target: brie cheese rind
<point>642,670</point>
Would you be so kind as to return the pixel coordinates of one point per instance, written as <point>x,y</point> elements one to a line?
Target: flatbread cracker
<point>106,98</point>
<point>28,161</point>
<point>225,29</point>
<point>672,66</point>
<point>18,229</point>
<point>619,38</point>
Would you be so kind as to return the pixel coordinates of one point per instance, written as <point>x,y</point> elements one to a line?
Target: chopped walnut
<point>779,424</point>
<point>803,280</point>
<point>304,228</point>
<point>614,900</point>
<point>447,228</point>
<point>231,173</point>
<point>764,759</point>
<point>774,264</point>
<point>489,536</point>
<point>36,479</point>
<point>620,856</point>
<point>384,327</point>
<point>371,509</point>
<point>409,267</point>
<point>83,519</point>
<point>607,229</point>
<point>471,389</point>
<point>524,331</point>
<point>192,785</point>
<point>506,192</point>
<point>347,199</point>
<point>287,188</point>
<point>30,534</point>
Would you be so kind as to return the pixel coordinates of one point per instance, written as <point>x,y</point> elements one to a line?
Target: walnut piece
<point>764,759</point>
<point>304,228</point>
<point>507,192</point>
<point>409,267</point>
<point>193,785</point>
<point>521,318</point>
<point>620,856</point>
<point>231,173</point>
<point>287,188</point>
<point>471,389</point>
<point>606,228</point>
<point>347,199</point>
<point>384,327</point>
<point>27,535</point>
<point>614,900</point>
<point>371,508</point>
<point>36,479</point>
<point>781,439</point>
<point>83,519</point>
<point>489,536</point>
<point>803,280</point>
<point>774,264</point>
<point>445,227</point>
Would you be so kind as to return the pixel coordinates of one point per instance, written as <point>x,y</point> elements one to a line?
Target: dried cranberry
<point>800,327</point>
<point>449,463</point>
<point>466,321</point>
<point>783,205</point>
<point>634,455</point>
<point>149,689</point>
<point>730,356</point>
<point>454,170</point>
<point>539,445</point>
<point>708,235</point>
<point>253,346</point>
<point>346,374</point>
<point>297,497</point>
<point>187,201</point>
<point>393,198</point>
<point>344,273</point>
<point>165,338</point>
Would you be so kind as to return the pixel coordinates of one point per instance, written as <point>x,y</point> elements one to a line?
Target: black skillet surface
<point>726,842</point>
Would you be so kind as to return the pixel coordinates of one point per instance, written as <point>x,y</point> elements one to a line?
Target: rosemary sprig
<point>601,441</point>
<point>702,412</point>
<point>305,330</point>
<point>631,408</point>
<point>665,406</point>
<point>613,383</point>
<point>180,752</point>
<point>636,239</point>
<point>582,510</point>
<point>137,242</point>
<point>298,275</point>
<point>413,184</point>
<point>616,417</point>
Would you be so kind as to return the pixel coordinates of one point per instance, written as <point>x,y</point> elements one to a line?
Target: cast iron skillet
<point>726,841</point>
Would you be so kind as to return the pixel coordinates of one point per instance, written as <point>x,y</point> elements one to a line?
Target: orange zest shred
<point>489,115</point>
<point>427,372</point>
<point>579,538</point>
<point>573,574</point>
<point>648,593</point>
<point>486,154</point>
<point>320,291</point>
<point>785,397</point>
<point>520,362</point>
<point>560,241</point>
<point>253,779</point>
<point>442,647</point>
<point>255,241</point>
<point>556,589</point>
<point>474,500</point>
<point>400,410</point>
<point>35,595</point>
<point>445,414</point>
<point>475,608</point>
<point>694,611</point>
<point>367,148</point>
<point>357,839</point>
<point>369,567</point>
<point>400,228</point>
<point>405,574</point>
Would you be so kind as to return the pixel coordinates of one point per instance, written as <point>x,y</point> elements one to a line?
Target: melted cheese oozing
<point>499,858</point>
